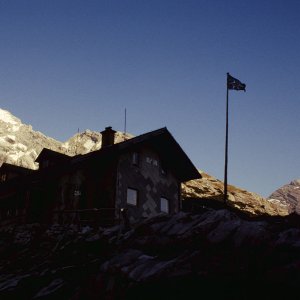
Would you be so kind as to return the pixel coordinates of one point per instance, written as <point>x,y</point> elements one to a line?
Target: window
<point>77,192</point>
<point>132,196</point>
<point>3,177</point>
<point>135,158</point>
<point>164,205</point>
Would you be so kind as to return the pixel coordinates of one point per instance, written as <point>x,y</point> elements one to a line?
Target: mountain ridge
<point>20,144</point>
<point>211,189</point>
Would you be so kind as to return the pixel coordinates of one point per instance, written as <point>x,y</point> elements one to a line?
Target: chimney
<point>108,136</point>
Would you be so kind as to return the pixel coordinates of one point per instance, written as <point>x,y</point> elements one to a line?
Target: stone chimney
<point>108,136</point>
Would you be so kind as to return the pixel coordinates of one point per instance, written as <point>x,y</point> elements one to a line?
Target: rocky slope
<point>20,144</point>
<point>290,194</point>
<point>210,188</point>
<point>213,254</point>
<point>87,141</point>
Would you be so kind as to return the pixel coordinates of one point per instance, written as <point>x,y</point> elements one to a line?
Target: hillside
<point>20,144</point>
<point>210,188</point>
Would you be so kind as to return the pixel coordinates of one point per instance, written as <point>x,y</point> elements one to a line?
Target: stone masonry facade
<point>151,183</point>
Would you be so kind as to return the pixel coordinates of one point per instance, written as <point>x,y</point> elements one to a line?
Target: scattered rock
<point>172,256</point>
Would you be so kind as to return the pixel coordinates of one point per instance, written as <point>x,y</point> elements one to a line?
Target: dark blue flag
<point>235,84</point>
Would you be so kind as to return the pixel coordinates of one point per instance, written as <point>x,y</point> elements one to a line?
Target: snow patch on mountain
<point>7,117</point>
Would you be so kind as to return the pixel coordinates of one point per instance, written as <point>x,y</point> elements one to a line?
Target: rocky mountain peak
<point>296,183</point>
<point>87,141</point>
<point>7,117</point>
<point>290,194</point>
<point>20,144</point>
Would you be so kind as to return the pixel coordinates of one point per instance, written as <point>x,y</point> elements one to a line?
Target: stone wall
<point>148,180</point>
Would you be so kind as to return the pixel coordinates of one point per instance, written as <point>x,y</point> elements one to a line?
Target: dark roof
<point>17,177</point>
<point>15,169</point>
<point>160,140</point>
<point>52,155</point>
<point>171,153</point>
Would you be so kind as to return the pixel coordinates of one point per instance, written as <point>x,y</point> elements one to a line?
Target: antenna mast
<point>125,124</point>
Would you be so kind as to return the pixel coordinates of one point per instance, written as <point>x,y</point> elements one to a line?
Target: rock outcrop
<point>289,194</point>
<point>20,144</point>
<point>88,141</point>
<point>210,188</point>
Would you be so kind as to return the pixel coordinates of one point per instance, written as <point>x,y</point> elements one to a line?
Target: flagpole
<point>232,84</point>
<point>226,148</point>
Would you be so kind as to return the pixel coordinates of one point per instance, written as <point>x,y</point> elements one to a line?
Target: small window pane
<point>164,205</point>
<point>3,177</point>
<point>132,196</point>
<point>135,158</point>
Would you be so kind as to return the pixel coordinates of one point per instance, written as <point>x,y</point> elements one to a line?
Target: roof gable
<point>6,167</point>
<point>47,154</point>
<point>170,152</point>
<point>162,142</point>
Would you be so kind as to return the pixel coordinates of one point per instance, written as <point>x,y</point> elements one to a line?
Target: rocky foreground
<point>213,254</point>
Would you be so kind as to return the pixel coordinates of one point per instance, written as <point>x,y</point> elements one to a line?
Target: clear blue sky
<point>74,64</point>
